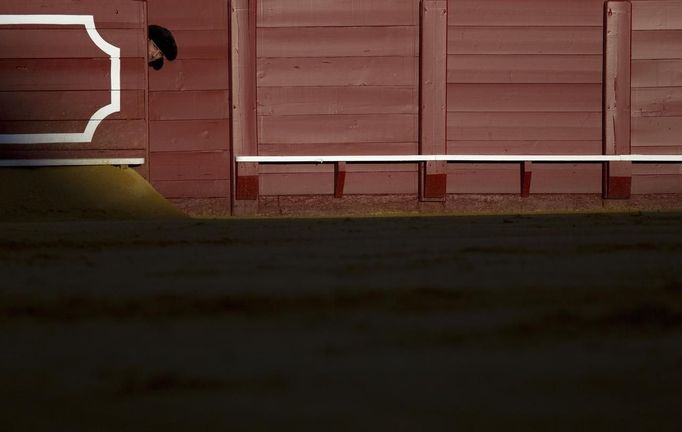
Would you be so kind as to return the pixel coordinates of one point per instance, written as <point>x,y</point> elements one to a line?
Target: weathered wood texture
<point>524,77</point>
<point>337,77</point>
<point>656,92</point>
<point>53,78</point>
<point>189,102</point>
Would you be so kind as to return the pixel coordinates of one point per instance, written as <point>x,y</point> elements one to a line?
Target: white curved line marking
<point>88,21</point>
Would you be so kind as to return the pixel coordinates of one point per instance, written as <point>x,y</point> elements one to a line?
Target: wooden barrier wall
<point>53,78</point>
<point>657,93</point>
<point>189,105</point>
<point>338,77</point>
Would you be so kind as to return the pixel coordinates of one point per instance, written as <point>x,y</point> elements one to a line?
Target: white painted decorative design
<point>88,21</point>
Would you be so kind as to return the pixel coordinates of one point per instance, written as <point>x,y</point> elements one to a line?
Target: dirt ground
<point>521,323</point>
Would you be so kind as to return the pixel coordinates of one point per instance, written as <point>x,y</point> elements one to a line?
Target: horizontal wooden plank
<point>108,14</point>
<point>202,44</point>
<point>538,147</point>
<point>656,131</point>
<point>323,13</point>
<point>656,184</point>
<point>577,13</point>
<point>524,97</point>
<point>191,74</point>
<point>525,40</point>
<point>657,102</point>
<point>525,69</point>
<point>111,134</point>
<point>74,43</point>
<point>656,169</point>
<point>69,74</point>
<point>68,105</point>
<point>362,183</point>
<point>337,71</point>
<point>329,168</point>
<point>483,178</point>
<point>324,149</point>
<point>193,188</point>
<point>524,126</point>
<point>566,178</point>
<point>195,135</point>
<point>657,15</point>
<point>338,41</point>
<point>181,15</point>
<point>338,128</point>
<point>666,44</point>
<point>337,100</point>
<point>656,73</point>
<point>205,105</point>
<point>180,166</point>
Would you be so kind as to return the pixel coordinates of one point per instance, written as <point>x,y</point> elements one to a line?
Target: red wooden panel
<point>526,12</point>
<point>657,102</point>
<point>108,14</point>
<point>657,150</point>
<point>524,40</point>
<point>320,13</point>
<point>663,44</point>
<point>567,178</point>
<point>202,44</point>
<point>337,100</point>
<point>66,105</point>
<point>654,73</point>
<point>329,168</point>
<point>205,105</point>
<point>657,15</point>
<point>656,184</point>
<point>111,134</point>
<point>524,126</point>
<point>335,129</point>
<point>483,178</point>
<point>191,74</point>
<point>193,188</point>
<point>656,169</point>
<point>525,69</point>
<point>338,41</point>
<point>525,147</point>
<point>68,74</point>
<point>195,15</point>
<point>71,43</point>
<point>354,148</point>
<point>525,97</point>
<point>656,131</point>
<point>337,71</point>
<point>198,135</point>
<point>190,166</point>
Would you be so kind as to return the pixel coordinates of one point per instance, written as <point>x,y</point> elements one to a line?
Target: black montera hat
<point>163,39</point>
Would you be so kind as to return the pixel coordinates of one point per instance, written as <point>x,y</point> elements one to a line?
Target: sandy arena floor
<point>501,323</point>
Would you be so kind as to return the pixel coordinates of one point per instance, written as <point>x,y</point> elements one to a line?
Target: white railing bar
<point>68,162</point>
<point>460,158</point>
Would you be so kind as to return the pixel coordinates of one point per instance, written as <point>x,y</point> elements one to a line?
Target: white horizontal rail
<point>68,162</point>
<point>460,158</point>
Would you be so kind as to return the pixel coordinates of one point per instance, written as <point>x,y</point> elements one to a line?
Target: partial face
<point>153,51</point>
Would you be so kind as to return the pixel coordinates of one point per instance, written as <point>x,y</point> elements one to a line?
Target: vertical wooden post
<point>339,179</point>
<point>433,98</point>
<point>526,177</point>
<point>244,114</point>
<point>617,177</point>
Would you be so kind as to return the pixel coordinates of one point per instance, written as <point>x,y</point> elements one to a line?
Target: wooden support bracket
<point>248,185</point>
<point>526,177</point>
<point>339,179</point>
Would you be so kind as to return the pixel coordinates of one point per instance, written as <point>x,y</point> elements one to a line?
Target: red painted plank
<point>525,97</point>
<point>68,74</point>
<point>191,74</point>
<point>71,43</point>
<point>657,15</point>
<point>108,14</point>
<point>67,105</point>
<point>526,13</point>
<point>337,71</point>
<point>202,44</point>
<point>483,178</point>
<point>337,100</point>
<point>338,41</point>
<point>656,184</point>
<point>353,148</point>
<point>205,105</point>
<point>321,13</point>
<point>181,15</point>
<point>657,102</point>
<point>525,69</point>
<point>650,45</point>
<point>567,178</point>
<point>656,131</point>
<point>540,147</point>
<point>525,40</point>
<point>193,188</point>
<point>655,73</point>
<point>197,135</point>
<point>335,129</point>
<point>178,166</point>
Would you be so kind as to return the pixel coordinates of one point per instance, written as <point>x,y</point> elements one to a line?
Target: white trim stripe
<point>460,158</point>
<point>88,21</point>
<point>9,163</point>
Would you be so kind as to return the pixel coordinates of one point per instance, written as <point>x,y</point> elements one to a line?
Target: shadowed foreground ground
<point>489,323</point>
